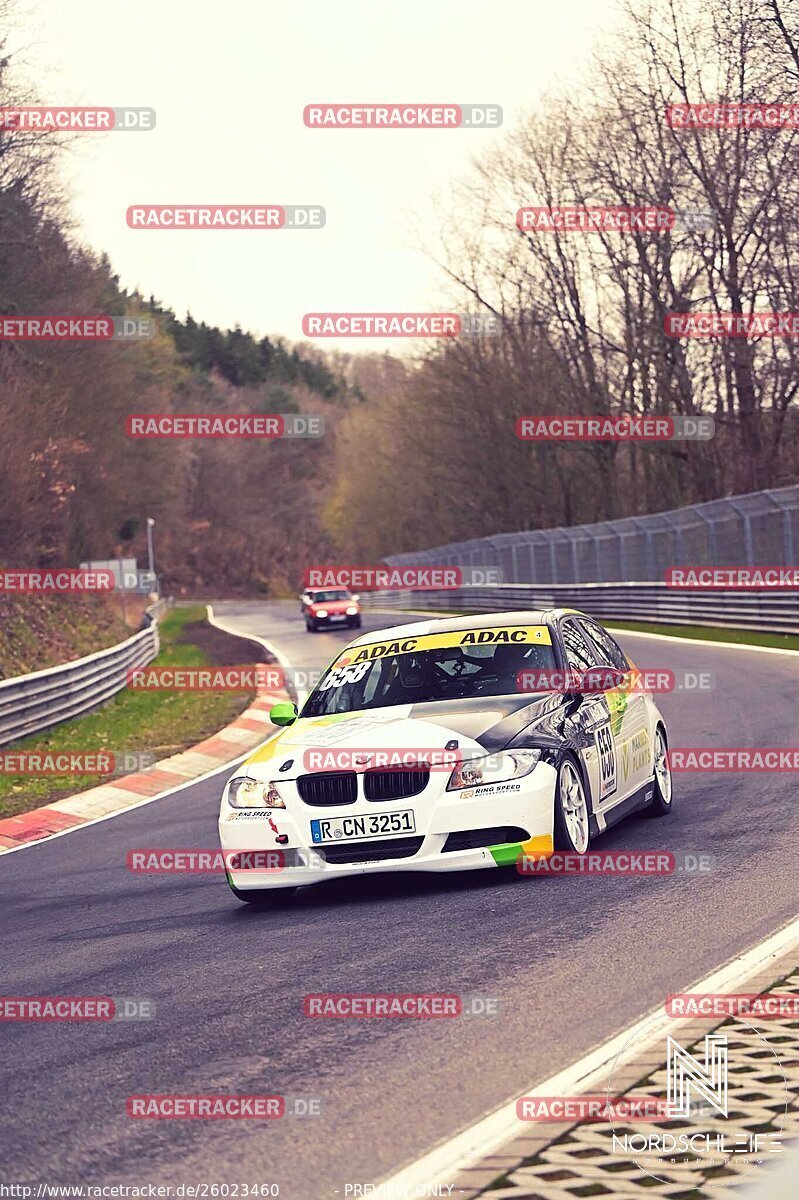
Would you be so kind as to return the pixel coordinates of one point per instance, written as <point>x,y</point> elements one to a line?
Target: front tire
<point>572,830</point>
<point>662,791</point>
<point>310,625</point>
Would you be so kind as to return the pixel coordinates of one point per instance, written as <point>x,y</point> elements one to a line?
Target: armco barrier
<point>31,703</point>
<point>772,611</point>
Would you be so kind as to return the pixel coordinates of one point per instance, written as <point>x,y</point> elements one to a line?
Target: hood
<point>336,606</point>
<point>479,726</point>
<point>493,721</point>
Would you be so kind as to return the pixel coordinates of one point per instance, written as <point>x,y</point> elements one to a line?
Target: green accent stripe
<point>507,854</point>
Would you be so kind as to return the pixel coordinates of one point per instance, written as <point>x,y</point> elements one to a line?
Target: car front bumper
<point>438,814</point>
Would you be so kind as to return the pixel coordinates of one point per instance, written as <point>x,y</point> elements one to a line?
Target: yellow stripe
<point>466,639</point>
<point>538,845</point>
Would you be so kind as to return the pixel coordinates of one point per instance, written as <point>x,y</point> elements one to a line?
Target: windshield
<point>385,674</point>
<point>330,594</point>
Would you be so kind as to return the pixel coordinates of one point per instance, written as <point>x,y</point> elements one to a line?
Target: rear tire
<point>661,803</point>
<point>572,811</point>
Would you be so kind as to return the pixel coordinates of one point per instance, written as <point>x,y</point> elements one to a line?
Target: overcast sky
<point>229,82</point>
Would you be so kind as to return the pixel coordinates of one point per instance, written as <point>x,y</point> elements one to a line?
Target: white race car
<point>446,745</point>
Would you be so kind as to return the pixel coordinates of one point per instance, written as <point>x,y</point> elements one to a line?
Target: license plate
<point>373,825</point>
<point>342,617</point>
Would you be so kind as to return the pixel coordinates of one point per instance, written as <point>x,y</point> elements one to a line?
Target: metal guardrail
<point>772,611</point>
<point>157,610</point>
<point>32,703</point>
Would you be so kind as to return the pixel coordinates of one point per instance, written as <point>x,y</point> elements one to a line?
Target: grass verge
<point>42,631</point>
<point>161,722</point>
<point>711,633</point>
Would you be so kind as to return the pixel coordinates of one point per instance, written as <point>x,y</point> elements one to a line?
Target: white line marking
<point>668,637</point>
<point>443,1164</point>
<point>660,637</point>
<point>302,693</point>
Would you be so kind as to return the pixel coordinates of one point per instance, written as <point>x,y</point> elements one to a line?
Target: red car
<point>326,607</point>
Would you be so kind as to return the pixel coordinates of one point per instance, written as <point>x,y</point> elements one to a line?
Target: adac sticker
<point>519,635</point>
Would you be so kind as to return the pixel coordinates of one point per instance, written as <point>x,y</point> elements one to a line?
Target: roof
<point>527,616</point>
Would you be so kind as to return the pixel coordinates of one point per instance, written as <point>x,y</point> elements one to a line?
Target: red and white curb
<point>249,730</point>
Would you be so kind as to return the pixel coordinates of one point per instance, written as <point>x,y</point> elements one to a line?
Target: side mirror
<point>355,598</point>
<point>602,679</point>
<point>284,713</point>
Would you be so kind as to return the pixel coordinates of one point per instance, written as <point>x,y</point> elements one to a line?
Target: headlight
<point>321,612</point>
<point>352,612</point>
<point>252,793</point>
<point>493,768</point>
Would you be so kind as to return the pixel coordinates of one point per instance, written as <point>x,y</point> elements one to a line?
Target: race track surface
<point>571,961</point>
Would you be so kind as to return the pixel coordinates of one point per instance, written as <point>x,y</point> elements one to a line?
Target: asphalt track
<point>571,961</point>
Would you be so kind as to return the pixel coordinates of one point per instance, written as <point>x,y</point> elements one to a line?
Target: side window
<point>581,655</point>
<point>610,651</point>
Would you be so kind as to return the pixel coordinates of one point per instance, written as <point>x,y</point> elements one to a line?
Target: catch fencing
<point>758,529</point>
<point>615,570</point>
